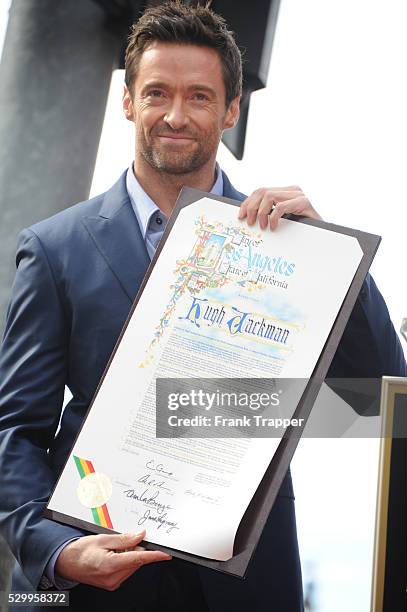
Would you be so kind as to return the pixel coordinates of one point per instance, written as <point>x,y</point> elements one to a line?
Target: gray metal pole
<point>55,74</point>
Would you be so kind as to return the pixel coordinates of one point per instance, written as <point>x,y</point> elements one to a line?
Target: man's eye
<point>201,97</point>
<point>155,93</point>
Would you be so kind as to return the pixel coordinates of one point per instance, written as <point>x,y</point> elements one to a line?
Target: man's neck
<point>164,188</point>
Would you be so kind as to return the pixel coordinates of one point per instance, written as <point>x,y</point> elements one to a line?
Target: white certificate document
<point>223,300</point>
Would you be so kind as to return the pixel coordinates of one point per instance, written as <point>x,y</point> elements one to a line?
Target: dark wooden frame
<point>255,517</point>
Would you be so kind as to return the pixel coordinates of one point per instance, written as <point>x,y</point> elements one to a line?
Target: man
<point>77,276</point>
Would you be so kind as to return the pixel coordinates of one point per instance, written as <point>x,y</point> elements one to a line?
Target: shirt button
<point>159,221</point>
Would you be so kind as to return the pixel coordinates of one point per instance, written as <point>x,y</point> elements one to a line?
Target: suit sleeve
<point>33,371</point>
<point>370,347</point>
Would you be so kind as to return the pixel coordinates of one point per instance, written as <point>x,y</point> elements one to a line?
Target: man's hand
<point>271,203</point>
<point>105,561</point>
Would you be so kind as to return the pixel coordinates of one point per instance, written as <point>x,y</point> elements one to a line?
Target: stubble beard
<point>178,162</point>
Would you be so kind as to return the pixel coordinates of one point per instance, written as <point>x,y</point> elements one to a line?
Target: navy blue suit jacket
<point>77,276</point>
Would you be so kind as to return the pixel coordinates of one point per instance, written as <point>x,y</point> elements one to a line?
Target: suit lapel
<point>229,191</point>
<point>117,236</point>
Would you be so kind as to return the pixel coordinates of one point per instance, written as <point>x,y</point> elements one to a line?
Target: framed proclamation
<point>196,418</point>
<point>389,589</point>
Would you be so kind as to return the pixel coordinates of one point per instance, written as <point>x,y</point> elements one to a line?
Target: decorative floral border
<point>187,268</point>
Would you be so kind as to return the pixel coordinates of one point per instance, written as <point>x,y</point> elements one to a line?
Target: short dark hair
<point>175,22</point>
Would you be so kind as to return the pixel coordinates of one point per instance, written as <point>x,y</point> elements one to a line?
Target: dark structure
<point>54,80</point>
<point>255,35</point>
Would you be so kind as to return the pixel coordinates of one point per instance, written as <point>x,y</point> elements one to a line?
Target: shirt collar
<point>143,205</point>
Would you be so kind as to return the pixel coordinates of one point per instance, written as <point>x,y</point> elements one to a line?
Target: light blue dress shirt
<point>151,220</point>
<point>152,224</point>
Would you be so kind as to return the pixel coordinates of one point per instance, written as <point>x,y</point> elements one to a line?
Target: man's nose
<point>176,115</point>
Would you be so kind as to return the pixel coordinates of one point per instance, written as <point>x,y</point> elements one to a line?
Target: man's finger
<point>281,195</point>
<point>253,197</point>
<point>135,559</point>
<point>284,202</point>
<point>297,206</point>
<point>130,548</point>
<point>121,541</point>
<point>119,574</point>
<point>265,208</point>
<point>252,207</point>
<point>286,188</point>
<point>242,210</point>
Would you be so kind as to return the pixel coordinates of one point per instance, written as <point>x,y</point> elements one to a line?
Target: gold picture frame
<point>387,592</point>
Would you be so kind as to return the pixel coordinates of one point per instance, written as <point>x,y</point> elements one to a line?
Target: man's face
<point>178,107</point>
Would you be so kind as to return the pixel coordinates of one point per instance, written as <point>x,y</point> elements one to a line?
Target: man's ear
<point>128,104</point>
<point>232,114</point>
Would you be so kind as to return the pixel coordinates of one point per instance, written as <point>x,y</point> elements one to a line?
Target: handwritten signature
<point>162,521</point>
<point>158,467</point>
<point>152,482</point>
<point>150,499</point>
